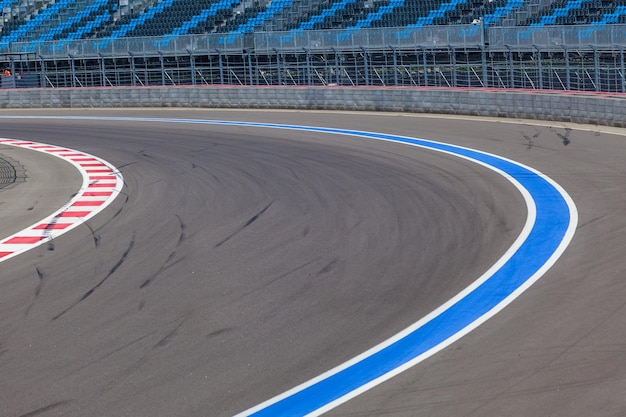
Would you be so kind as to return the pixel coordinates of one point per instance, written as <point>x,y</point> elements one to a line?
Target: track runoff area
<point>550,224</point>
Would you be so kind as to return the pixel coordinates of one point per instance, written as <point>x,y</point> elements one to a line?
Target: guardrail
<point>517,38</point>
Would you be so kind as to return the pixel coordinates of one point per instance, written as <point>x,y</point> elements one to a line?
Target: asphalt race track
<point>240,262</point>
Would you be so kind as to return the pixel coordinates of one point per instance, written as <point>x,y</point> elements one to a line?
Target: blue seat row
<point>559,12</point>
<point>57,30</point>
<point>169,19</point>
<point>128,27</point>
<point>90,26</point>
<point>34,22</point>
<point>196,20</point>
<point>7,3</point>
<point>327,12</point>
<point>275,7</point>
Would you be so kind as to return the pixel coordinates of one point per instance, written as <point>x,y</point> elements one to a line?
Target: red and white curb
<point>102,183</point>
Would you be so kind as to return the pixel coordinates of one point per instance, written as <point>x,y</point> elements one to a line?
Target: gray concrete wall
<point>601,109</point>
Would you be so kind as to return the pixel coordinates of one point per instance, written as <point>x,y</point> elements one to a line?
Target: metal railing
<point>454,56</point>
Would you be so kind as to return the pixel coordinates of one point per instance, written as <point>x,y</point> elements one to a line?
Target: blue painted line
<point>550,227</point>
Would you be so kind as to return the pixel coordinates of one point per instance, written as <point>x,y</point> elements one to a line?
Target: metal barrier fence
<point>457,56</point>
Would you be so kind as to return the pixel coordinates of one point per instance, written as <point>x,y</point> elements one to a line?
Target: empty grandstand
<point>347,42</point>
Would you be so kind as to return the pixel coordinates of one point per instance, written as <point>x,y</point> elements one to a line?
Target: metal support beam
<point>72,70</point>
<point>309,77</point>
<point>192,64</point>
<point>366,68</point>
<point>425,67</point>
<point>539,67</point>
<point>12,58</point>
<point>102,70</point>
<point>483,58</point>
<point>596,67</point>
<point>278,67</point>
<point>162,62</point>
<point>250,71</point>
<point>42,81</point>
<point>395,66</point>
<point>568,84</point>
<point>453,60</point>
<point>511,70</point>
<point>337,71</point>
<point>221,61</point>
<point>621,55</point>
<point>133,73</point>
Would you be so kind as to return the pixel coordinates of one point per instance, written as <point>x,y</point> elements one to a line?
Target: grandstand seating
<point>81,22</point>
<point>63,21</point>
<point>78,30</point>
<point>339,11</point>
<point>252,23</point>
<point>207,18</point>
<point>37,22</point>
<point>575,12</point>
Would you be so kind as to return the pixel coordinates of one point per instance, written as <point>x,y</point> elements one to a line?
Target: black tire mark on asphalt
<point>248,223</point>
<point>221,332</point>
<point>94,232</point>
<point>162,269</point>
<point>96,237</point>
<point>46,408</point>
<point>181,237</point>
<point>168,337</point>
<point>124,346</point>
<point>40,275</point>
<point>102,281</point>
<point>564,137</point>
<point>278,278</point>
<point>211,174</point>
<point>286,274</point>
<point>119,168</point>
<point>166,265</point>
<point>328,268</point>
<point>530,140</point>
<point>580,226</point>
<point>112,271</point>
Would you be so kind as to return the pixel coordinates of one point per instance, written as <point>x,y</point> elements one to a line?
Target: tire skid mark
<point>40,275</point>
<point>162,269</point>
<point>172,333</point>
<point>102,183</point>
<point>248,223</point>
<point>170,261</point>
<point>45,409</point>
<point>182,236</point>
<point>101,282</point>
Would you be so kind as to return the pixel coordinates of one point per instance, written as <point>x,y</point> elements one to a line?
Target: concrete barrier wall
<point>601,109</point>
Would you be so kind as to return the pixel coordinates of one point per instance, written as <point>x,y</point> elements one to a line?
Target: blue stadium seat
<point>559,12</point>
<point>35,22</point>
<point>203,16</point>
<point>130,26</point>
<point>64,21</point>
<point>56,31</point>
<point>89,27</point>
<point>248,26</point>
